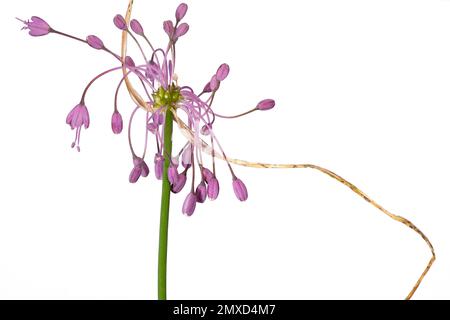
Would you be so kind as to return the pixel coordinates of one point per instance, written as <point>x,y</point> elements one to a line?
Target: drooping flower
<point>201,192</point>
<point>240,190</point>
<point>189,204</point>
<point>78,117</point>
<point>156,73</point>
<point>179,185</point>
<point>140,169</point>
<point>213,189</point>
<point>116,122</point>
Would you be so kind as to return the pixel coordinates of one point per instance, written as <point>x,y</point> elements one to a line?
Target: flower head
<point>155,71</point>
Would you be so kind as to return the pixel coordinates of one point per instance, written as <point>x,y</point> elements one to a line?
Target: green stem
<point>165,205</point>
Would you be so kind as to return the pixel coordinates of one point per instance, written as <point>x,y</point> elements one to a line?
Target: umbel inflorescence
<point>156,73</point>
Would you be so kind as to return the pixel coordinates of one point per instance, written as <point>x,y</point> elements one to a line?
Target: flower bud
<point>207,174</point>
<point>207,88</point>
<point>120,22</point>
<point>266,105</point>
<point>152,127</point>
<point>189,204</point>
<point>180,184</point>
<point>159,166</point>
<point>145,170</point>
<point>129,62</point>
<point>95,42</point>
<point>117,122</point>
<point>135,174</point>
<point>222,72</point>
<point>181,11</point>
<point>214,84</point>
<point>213,189</point>
<point>181,30</point>
<point>240,190</point>
<point>168,28</point>
<point>137,27</point>
<point>201,192</point>
<point>140,170</point>
<point>158,118</point>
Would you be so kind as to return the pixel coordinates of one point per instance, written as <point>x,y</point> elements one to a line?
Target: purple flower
<point>214,83</point>
<point>181,11</point>
<point>37,26</point>
<point>181,30</point>
<point>180,183</point>
<point>78,117</point>
<point>222,72</point>
<point>152,127</point>
<point>140,169</point>
<point>137,27</point>
<point>265,105</point>
<point>168,28</point>
<point>190,204</point>
<point>240,190</point>
<point>213,189</point>
<point>201,192</point>
<point>95,42</point>
<point>207,174</point>
<point>117,122</point>
<point>120,22</point>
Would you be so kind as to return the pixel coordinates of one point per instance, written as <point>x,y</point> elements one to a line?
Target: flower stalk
<point>165,206</point>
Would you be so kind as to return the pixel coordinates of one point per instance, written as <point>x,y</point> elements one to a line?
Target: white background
<point>362,88</point>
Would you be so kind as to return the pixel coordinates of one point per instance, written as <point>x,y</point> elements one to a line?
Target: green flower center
<point>167,98</point>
